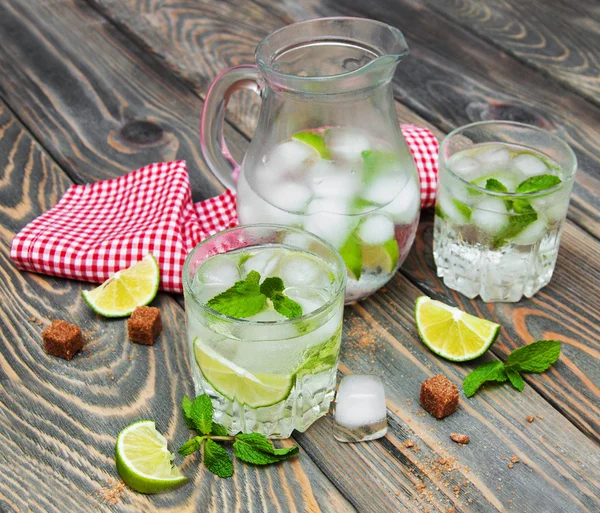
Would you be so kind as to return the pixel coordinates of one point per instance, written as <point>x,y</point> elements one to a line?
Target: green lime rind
<point>316,141</point>
<point>437,351</point>
<point>138,481</point>
<point>351,253</point>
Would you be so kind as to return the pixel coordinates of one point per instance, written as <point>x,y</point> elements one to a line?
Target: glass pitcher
<point>328,154</point>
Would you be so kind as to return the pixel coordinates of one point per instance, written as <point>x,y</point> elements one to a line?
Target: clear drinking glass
<point>327,155</point>
<point>266,373</point>
<point>501,204</point>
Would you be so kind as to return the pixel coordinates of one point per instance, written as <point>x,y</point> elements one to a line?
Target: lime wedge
<point>234,382</point>
<point>384,255</point>
<point>452,333</point>
<point>351,252</point>
<point>144,461</point>
<point>123,292</point>
<point>316,141</point>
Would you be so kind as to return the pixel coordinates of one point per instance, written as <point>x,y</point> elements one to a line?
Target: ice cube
<point>451,207</point>
<point>346,143</point>
<point>490,215</point>
<point>495,156</point>
<point>405,207</point>
<point>219,270</point>
<point>289,196</point>
<point>267,315</point>
<point>310,299</point>
<point>298,270</point>
<point>360,412</point>
<point>342,184</point>
<point>321,170</point>
<point>296,240</point>
<point>529,165</point>
<point>291,156</point>
<point>376,229</point>
<point>384,188</point>
<point>265,262</point>
<point>464,166</point>
<point>327,219</point>
<point>533,232</point>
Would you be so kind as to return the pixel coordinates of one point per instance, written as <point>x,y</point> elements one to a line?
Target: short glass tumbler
<point>502,200</point>
<point>266,373</point>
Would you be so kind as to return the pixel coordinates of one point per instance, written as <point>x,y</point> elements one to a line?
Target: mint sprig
<point>251,448</point>
<point>536,357</point>
<point>247,298</point>
<point>538,183</point>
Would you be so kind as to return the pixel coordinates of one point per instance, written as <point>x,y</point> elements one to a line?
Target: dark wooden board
<point>446,84</point>
<point>59,419</point>
<point>558,37</point>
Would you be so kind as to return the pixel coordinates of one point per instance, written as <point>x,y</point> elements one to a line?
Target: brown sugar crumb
<point>32,319</point>
<point>510,465</point>
<point>439,396</point>
<point>530,419</point>
<point>62,339</point>
<point>450,510</point>
<point>112,492</point>
<point>420,487</point>
<point>409,444</point>
<point>144,325</point>
<point>459,438</point>
<point>514,459</point>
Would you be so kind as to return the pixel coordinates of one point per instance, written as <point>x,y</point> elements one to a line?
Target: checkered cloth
<point>97,229</point>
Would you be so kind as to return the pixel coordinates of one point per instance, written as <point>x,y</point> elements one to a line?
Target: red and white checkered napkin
<point>96,230</point>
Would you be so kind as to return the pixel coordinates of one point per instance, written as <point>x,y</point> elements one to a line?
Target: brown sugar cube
<point>62,339</point>
<point>144,325</point>
<point>439,396</point>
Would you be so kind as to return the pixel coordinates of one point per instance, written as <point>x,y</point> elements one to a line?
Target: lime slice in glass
<point>316,141</point>
<point>234,382</point>
<point>144,461</point>
<point>452,333</point>
<point>384,256</point>
<point>123,292</point>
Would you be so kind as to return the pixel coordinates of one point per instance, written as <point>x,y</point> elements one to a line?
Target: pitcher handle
<point>212,141</point>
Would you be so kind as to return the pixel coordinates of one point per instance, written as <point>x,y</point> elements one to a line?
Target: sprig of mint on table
<point>248,297</point>
<point>536,357</point>
<point>252,448</point>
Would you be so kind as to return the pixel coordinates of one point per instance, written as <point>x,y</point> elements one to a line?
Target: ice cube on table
<point>360,412</point>
<point>289,196</point>
<point>490,215</point>
<point>326,218</point>
<point>290,156</point>
<point>384,188</point>
<point>346,143</point>
<point>297,270</point>
<point>264,262</point>
<point>529,165</point>
<point>533,232</point>
<point>376,229</point>
<point>405,207</point>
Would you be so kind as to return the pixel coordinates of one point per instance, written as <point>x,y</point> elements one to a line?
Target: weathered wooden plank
<point>448,83</point>
<point>59,419</point>
<point>559,38</point>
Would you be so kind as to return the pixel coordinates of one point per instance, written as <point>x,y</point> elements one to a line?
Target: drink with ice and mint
<point>264,307</point>
<point>351,189</point>
<point>500,209</point>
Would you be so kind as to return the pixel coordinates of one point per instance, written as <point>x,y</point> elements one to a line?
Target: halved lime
<point>384,255</point>
<point>351,252</point>
<point>144,461</point>
<point>452,333</point>
<point>316,141</point>
<point>123,292</point>
<point>234,382</point>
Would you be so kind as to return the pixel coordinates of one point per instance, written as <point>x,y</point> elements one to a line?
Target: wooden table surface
<point>92,89</point>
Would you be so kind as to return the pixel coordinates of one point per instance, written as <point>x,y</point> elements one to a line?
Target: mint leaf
<point>218,430</point>
<point>535,357</point>
<point>439,212</point>
<point>191,446</point>
<point>272,285</point>
<point>515,378</point>
<point>217,460</point>
<point>464,210</point>
<point>256,449</point>
<point>243,299</point>
<point>538,183</point>
<point>186,406</point>
<point>516,223</point>
<point>491,371</point>
<point>201,412</point>
<point>376,161</point>
<point>286,306</point>
<point>495,185</point>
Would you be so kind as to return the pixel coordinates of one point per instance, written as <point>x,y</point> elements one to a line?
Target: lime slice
<point>143,460</point>
<point>234,382</point>
<point>384,255</point>
<point>123,292</point>
<point>351,252</point>
<point>452,333</point>
<point>316,141</point>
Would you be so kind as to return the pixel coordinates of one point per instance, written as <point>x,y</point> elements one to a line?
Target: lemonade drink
<point>265,372</point>
<point>499,215</point>
<point>346,187</point>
